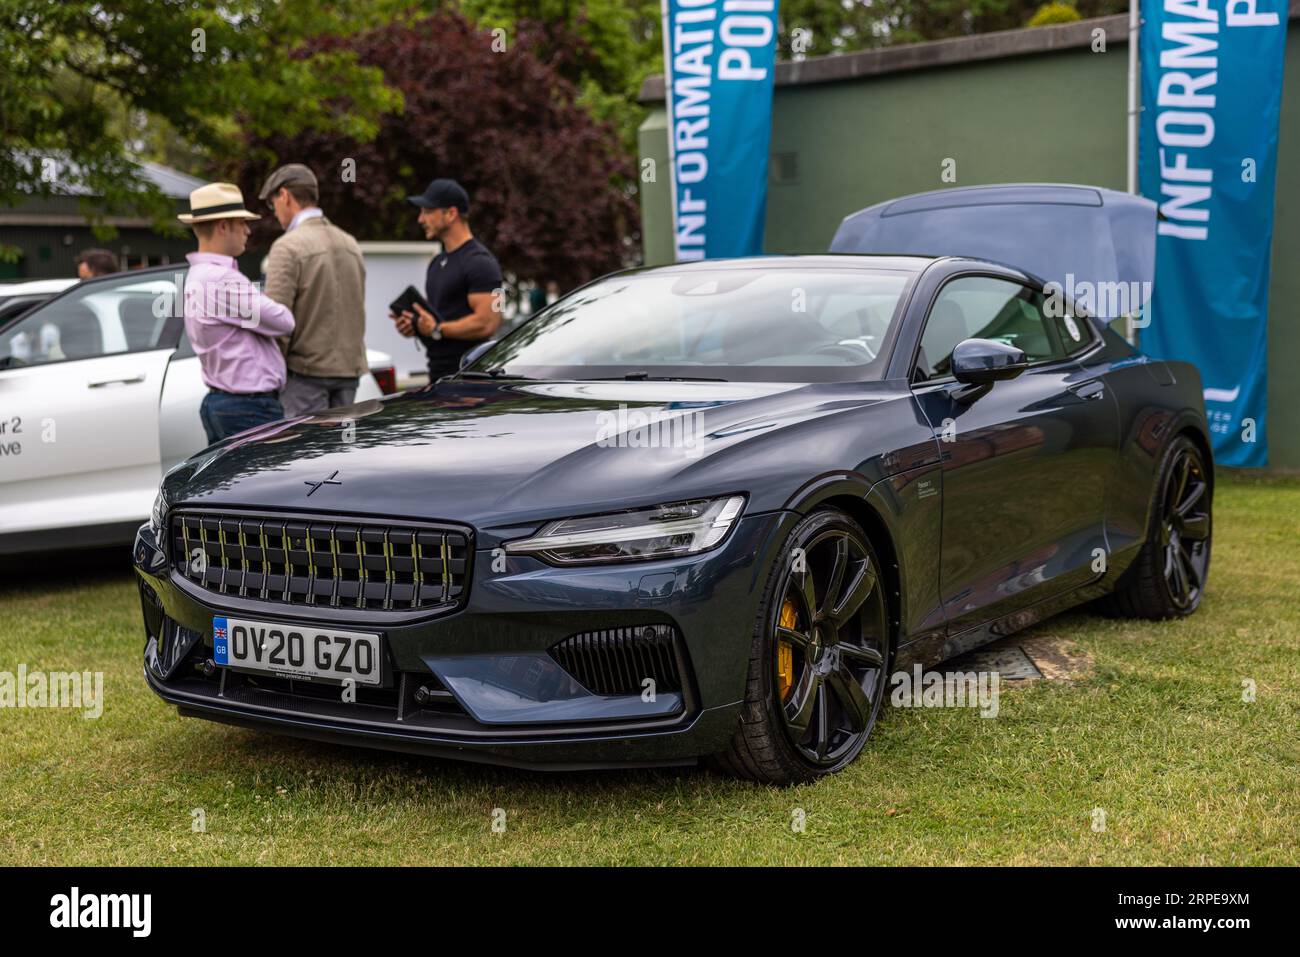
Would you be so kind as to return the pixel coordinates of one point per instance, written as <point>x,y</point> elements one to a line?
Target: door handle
<point>1093,389</point>
<point>134,380</point>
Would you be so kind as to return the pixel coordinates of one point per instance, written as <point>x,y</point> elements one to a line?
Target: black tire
<point>1168,577</point>
<point>834,644</point>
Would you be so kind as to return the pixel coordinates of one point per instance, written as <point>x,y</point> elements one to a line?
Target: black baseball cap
<point>442,193</point>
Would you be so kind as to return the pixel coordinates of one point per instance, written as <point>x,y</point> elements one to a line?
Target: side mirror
<point>472,356</point>
<point>978,363</point>
<point>983,361</point>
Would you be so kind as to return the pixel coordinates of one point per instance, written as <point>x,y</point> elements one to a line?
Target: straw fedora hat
<point>216,201</point>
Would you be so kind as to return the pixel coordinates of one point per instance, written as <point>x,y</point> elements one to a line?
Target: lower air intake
<point>619,660</point>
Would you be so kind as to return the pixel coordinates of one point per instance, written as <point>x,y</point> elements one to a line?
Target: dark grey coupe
<point>701,510</point>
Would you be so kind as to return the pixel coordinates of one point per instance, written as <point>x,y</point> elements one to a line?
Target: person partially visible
<point>232,325</point>
<point>95,262</point>
<point>317,270</point>
<point>541,296</point>
<point>536,299</point>
<point>462,283</point>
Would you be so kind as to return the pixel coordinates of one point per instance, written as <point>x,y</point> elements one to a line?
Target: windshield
<point>750,324</point>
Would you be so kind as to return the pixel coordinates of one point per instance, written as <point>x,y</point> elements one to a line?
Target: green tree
<point>823,27</point>
<point>844,26</point>
<point>85,84</point>
<point>606,48</point>
<point>549,184</point>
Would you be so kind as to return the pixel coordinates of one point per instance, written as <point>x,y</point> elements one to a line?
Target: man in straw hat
<point>231,324</point>
<point>317,270</point>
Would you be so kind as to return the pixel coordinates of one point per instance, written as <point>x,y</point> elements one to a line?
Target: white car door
<point>80,384</point>
<point>181,431</point>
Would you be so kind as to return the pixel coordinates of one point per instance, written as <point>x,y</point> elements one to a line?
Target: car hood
<point>493,454</point>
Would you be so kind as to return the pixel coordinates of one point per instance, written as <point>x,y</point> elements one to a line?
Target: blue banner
<point>719,57</point>
<point>1211,95</point>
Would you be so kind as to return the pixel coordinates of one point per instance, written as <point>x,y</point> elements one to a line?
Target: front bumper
<point>493,691</point>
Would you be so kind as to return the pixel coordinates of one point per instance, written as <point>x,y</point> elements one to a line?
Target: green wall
<point>1059,117</point>
<point>656,194</point>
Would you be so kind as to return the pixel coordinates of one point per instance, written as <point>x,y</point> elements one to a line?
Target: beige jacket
<point>318,272</point>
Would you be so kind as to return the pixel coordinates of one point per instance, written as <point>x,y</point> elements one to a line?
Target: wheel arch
<point>1190,425</point>
<point>852,500</point>
<point>1202,442</point>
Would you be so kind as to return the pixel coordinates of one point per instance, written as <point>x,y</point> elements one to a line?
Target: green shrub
<point>1050,13</point>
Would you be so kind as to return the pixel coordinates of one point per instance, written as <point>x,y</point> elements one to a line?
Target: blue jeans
<point>224,414</point>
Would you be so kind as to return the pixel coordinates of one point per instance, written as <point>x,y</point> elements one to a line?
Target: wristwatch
<point>436,332</point>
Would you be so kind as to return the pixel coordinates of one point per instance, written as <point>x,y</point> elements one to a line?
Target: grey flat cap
<point>291,174</point>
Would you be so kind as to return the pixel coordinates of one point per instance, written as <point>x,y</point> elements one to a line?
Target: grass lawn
<point>1158,736</point>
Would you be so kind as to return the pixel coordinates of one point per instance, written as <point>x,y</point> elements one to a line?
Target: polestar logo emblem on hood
<point>324,481</point>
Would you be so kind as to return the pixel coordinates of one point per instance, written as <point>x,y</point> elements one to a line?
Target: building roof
<point>172,182</point>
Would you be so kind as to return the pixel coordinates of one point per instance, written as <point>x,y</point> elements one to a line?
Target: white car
<point>99,396</point>
<point>17,297</point>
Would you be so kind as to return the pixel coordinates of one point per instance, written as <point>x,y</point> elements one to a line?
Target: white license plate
<point>297,651</point>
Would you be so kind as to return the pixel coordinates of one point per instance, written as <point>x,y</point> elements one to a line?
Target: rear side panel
<point>1156,401</point>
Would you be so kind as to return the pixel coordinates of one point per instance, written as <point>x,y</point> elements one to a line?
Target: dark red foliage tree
<point>551,192</point>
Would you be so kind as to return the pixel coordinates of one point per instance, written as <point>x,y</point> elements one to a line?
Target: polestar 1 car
<point>693,511</point>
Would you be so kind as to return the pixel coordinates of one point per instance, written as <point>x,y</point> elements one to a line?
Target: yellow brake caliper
<point>785,651</point>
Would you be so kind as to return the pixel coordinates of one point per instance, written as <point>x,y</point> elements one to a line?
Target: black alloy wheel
<point>1167,579</point>
<point>821,651</point>
<point>1185,528</point>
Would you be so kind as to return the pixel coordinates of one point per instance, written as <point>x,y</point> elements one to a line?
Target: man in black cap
<point>462,285</point>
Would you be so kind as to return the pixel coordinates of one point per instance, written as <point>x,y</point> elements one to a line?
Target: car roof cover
<point>1057,233</point>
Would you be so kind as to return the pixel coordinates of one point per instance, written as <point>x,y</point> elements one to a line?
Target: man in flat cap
<point>316,269</point>
<point>232,326</point>
<point>462,283</point>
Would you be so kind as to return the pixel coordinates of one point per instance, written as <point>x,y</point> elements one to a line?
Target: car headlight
<point>158,516</point>
<point>663,531</point>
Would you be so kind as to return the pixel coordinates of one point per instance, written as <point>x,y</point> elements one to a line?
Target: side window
<point>12,308</point>
<point>1075,332</point>
<point>980,307</point>
<point>132,313</point>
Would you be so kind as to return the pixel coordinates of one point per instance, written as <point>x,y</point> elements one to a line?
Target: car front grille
<point>330,562</point>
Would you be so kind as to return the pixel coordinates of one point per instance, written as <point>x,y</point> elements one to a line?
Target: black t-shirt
<point>451,279</point>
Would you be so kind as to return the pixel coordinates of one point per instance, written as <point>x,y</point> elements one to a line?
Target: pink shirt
<point>233,327</point>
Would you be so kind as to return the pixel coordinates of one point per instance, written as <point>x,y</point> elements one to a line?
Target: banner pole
<point>1134,111</point>
<point>1134,106</point>
<point>668,111</point>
